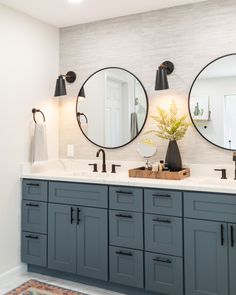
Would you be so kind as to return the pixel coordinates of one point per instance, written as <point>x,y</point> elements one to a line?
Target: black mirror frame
<point>145,120</point>
<point>189,97</point>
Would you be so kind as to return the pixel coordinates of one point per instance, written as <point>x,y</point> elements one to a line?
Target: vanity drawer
<point>163,234</point>
<point>34,216</point>
<point>126,229</point>
<point>126,267</point>
<point>35,190</point>
<point>163,202</point>
<point>163,274</point>
<point>78,194</point>
<point>210,206</point>
<point>34,249</point>
<point>126,198</point>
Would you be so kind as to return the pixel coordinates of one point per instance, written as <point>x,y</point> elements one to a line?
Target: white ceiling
<point>61,13</point>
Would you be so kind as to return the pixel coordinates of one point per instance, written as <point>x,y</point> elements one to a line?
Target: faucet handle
<point>95,167</point>
<point>113,168</point>
<point>223,173</point>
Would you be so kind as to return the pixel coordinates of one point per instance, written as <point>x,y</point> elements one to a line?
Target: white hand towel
<point>39,148</point>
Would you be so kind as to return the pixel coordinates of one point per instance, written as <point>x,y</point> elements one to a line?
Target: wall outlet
<point>70,151</point>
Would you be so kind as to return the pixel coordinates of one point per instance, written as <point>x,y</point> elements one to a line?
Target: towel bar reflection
<point>34,111</point>
<point>83,115</point>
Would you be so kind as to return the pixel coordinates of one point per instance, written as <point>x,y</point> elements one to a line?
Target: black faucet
<point>104,170</point>
<point>234,159</point>
<point>223,171</point>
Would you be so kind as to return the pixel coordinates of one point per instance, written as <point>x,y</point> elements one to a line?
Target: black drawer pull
<point>159,259</point>
<point>124,193</point>
<point>124,216</point>
<point>32,184</point>
<point>32,237</point>
<point>78,212</point>
<point>161,196</point>
<point>161,220</point>
<point>32,205</point>
<point>232,235</point>
<point>71,215</point>
<point>124,253</point>
<point>222,234</point>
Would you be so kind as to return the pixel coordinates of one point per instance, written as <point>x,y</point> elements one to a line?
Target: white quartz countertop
<point>205,181</point>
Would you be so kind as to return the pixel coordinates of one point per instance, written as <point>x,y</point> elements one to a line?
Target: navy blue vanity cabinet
<point>34,248</point>
<point>92,243</point>
<point>210,253</point>
<point>126,198</point>
<point>34,216</point>
<point>126,229</point>
<point>78,234</point>
<point>131,237</point>
<point>206,266</point>
<point>126,236</point>
<point>34,222</point>
<point>62,237</point>
<point>163,241</point>
<point>80,194</point>
<point>164,274</point>
<point>35,190</point>
<point>164,202</point>
<point>126,267</point>
<point>232,257</point>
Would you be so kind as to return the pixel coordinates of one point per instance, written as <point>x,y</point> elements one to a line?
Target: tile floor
<point>14,279</point>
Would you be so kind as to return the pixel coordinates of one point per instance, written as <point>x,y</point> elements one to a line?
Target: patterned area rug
<point>33,287</point>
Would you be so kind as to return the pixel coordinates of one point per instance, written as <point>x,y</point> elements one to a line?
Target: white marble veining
<point>203,177</point>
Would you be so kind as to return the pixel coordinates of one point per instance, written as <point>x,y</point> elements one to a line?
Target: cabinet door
<point>34,249</point>
<point>232,258</point>
<point>126,267</point>
<point>62,238</point>
<point>126,229</point>
<point>206,266</point>
<point>163,234</point>
<point>35,190</point>
<point>164,274</point>
<point>34,217</point>
<point>92,243</point>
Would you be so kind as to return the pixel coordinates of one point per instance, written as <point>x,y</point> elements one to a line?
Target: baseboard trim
<point>20,269</point>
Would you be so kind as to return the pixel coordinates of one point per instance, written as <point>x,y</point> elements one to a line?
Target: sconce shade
<point>82,94</point>
<point>60,87</point>
<point>161,79</point>
<point>165,69</point>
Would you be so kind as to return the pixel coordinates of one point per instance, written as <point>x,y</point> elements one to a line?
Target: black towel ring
<point>34,111</point>
<point>83,115</point>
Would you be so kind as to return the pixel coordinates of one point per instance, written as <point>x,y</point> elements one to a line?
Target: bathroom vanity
<point>136,239</point>
<point>138,236</point>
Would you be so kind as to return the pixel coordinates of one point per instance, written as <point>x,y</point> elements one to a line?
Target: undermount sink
<point>90,174</point>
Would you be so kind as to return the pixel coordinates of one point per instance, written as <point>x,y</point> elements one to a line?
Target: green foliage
<point>169,125</point>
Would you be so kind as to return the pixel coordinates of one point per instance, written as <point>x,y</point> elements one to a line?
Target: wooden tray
<point>141,172</point>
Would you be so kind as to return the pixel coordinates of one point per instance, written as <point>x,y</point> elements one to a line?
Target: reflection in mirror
<point>212,102</point>
<point>115,108</point>
<point>146,149</point>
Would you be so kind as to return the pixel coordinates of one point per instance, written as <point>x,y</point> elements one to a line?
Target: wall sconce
<point>81,95</point>
<point>60,89</point>
<point>165,69</point>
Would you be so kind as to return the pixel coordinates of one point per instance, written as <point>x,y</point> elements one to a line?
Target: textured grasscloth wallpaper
<point>190,36</point>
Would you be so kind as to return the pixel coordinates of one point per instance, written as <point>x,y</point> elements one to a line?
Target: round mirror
<point>112,108</point>
<point>146,149</point>
<point>212,102</point>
